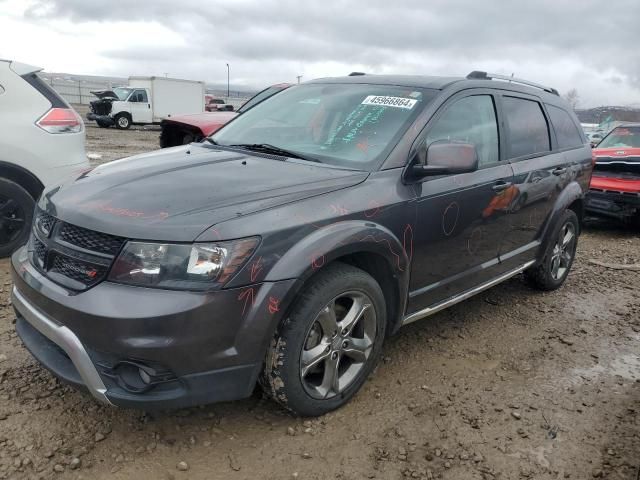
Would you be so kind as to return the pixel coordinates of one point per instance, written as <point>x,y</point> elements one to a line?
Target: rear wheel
<point>561,251</point>
<point>123,121</point>
<point>16,212</point>
<point>323,352</point>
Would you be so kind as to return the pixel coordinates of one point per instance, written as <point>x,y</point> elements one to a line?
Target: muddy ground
<point>510,384</point>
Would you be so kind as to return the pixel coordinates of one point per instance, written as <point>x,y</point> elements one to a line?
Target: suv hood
<point>176,193</point>
<point>207,122</point>
<point>622,162</point>
<point>616,152</point>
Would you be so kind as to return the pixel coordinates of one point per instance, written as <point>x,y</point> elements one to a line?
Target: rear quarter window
<point>528,130</point>
<point>567,133</point>
<point>49,93</point>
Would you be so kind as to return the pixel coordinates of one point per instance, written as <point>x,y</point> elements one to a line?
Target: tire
<point>102,124</point>
<point>551,273</point>
<point>16,214</point>
<point>123,121</point>
<point>311,392</point>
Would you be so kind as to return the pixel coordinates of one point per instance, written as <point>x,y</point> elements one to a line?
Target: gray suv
<point>288,246</point>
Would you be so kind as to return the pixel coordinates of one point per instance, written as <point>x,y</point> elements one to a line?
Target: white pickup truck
<point>146,100</point>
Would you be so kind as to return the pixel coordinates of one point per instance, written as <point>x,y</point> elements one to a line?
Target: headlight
<point>199,266</point>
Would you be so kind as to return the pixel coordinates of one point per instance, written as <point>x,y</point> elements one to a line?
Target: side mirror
<point>444,157</point>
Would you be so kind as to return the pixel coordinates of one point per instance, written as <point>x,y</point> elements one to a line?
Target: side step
<point>435,308</point>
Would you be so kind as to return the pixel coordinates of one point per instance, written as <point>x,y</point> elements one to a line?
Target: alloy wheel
<point>563,251</point>
<point>338,345</point>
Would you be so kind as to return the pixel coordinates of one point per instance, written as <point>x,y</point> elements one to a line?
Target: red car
<point>184,129</point>
<point>615,184</point>
<point>213,104</point>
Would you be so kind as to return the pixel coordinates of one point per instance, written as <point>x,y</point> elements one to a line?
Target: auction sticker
<point>398,102</point>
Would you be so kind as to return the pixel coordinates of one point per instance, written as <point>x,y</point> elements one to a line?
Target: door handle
<point>559,171</point>
<point>501,186</point>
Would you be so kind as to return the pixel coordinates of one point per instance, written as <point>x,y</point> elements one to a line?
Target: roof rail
<point>356,74</point>
<point>477,75</point>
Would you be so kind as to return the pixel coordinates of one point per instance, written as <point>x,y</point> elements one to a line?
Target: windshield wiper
<point>211,140</point>
<point>268,148</point>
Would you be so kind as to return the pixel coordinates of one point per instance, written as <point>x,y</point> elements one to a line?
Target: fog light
<point>137,377</point>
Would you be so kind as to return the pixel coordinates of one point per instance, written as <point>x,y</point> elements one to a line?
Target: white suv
<point>41,143</point>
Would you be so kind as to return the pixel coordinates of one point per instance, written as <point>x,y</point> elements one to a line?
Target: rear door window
<point>567,133</point>
<point>528,130</point>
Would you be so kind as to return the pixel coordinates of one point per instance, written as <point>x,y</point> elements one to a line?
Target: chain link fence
<point>79,91</point>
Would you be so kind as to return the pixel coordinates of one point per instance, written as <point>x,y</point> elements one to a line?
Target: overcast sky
<point>588,45</point>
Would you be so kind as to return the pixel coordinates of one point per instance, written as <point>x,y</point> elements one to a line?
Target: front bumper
<point>618,205</point>
<point>106,119</point>
<point>84,372</point>
<point>197,347</point>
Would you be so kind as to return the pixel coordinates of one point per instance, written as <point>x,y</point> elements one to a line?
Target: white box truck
<point>146,100</point>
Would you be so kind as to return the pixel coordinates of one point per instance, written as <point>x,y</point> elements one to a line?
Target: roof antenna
<point>511,76</point>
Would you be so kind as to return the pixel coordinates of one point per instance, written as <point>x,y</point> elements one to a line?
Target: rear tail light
<point>60,120</point>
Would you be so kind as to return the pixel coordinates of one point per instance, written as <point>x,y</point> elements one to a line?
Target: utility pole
<point>227,82</point>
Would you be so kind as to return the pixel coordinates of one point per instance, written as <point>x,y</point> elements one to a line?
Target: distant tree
<point>572,98</point>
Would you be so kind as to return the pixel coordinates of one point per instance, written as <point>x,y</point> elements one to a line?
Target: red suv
<point>615,184</point>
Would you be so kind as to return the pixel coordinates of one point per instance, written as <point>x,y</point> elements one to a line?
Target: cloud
<point>584,44</point>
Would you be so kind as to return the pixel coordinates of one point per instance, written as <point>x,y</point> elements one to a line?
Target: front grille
<point>72,256</point>
<point>40,252</point>
<point>90,240</point>
<point>88,274</point>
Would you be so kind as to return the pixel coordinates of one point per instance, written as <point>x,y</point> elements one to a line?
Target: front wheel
<point>123,121</point>
<point>551,273</point>
<point>16,212</point>
<point>325,349</point>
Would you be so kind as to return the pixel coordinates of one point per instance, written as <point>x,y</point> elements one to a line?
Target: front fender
<point>120,107</point>
<point>336,240</point>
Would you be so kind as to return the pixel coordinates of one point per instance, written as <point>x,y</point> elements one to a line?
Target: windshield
<point>348,125</point>
<point>122,93</point>
<point>628,137</point>
<point>260,96</point>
